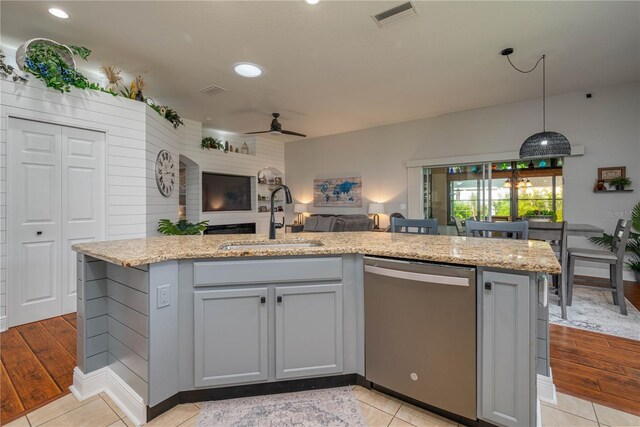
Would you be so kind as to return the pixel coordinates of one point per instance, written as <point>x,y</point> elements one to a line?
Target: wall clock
<point>165,173</point>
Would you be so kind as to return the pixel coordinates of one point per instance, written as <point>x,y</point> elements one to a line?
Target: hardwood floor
<point>37,361</point>
<point>597,367</point>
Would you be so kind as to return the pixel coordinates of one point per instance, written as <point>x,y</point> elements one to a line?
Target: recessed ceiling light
<point>246,69</point>
<point>58,13</point>
<point>312,1</point>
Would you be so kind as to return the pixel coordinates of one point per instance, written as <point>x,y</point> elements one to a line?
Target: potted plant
<point>181,228</point>
<point>541,215</point>
<point>620,183</point>
<point>633,244</point>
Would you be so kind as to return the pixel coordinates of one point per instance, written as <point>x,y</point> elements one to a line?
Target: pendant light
<point>546,143</point>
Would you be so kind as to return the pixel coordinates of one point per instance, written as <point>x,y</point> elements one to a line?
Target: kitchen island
<point>166,320</point>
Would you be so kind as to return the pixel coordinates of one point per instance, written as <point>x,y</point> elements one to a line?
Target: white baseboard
<point>3,323</point>
<point>602,273</point>
<point>547,389</point>
<point>104,379</point>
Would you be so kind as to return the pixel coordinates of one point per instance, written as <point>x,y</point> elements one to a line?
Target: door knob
<point>39,233</point>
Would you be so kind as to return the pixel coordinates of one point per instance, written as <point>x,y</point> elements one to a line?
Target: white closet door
<point>56,194</point>
<point>83,196</point>
<point>34,209</point>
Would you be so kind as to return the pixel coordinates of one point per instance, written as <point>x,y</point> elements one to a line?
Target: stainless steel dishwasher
<point>420,332</point>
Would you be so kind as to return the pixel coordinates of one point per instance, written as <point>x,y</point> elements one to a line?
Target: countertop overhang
<point>523,255</point>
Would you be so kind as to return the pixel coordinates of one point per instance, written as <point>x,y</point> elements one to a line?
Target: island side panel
<point>128,325</point>
<point>91,314</point>
<point>163,333</point>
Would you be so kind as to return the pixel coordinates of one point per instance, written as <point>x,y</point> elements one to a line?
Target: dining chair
<point>614,257</point>
<point>459,227</point>
<point>518,229</point>
<point>556,234</point>
<point>423,226</point>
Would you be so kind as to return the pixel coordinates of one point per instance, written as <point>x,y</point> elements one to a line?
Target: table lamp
<point>300,209</point>
<point>375,209</point>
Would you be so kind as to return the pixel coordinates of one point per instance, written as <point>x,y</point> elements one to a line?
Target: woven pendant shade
<point>545,144</point>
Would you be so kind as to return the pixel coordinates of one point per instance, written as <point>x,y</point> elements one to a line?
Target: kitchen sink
<point>280,245</point>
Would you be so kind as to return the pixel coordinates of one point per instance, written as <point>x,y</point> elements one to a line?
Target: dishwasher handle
<point>417,277</point>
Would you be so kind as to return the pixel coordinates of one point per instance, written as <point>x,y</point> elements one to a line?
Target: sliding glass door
<point>492,191</point>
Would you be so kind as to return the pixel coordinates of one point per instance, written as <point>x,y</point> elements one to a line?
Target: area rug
<point>593,310</point>
<point>326,407</point>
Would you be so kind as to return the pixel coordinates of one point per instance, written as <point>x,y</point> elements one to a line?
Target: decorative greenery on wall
<point>52,64</point>
<point>47,62</point>
<point>211,143</point>
<point>8,71</point>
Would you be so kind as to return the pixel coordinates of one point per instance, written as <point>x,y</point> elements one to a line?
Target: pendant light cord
<point>544,72</point>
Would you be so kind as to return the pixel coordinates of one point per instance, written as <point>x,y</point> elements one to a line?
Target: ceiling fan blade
<point>262,131</point>
<point>288,132</point>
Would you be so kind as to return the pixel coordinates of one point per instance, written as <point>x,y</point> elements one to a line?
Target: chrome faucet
<point>288,200</point>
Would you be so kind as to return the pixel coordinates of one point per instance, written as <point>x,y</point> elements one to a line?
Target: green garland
<point>46,62</point>
<point>7,70</point>
<point>210,143</point>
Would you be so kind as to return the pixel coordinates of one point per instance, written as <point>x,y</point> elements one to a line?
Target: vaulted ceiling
<point>328,67</point>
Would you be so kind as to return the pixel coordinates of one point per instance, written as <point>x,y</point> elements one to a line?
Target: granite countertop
<point>522,255</point>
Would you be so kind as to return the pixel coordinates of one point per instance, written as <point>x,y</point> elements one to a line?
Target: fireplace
<point>245,228</point>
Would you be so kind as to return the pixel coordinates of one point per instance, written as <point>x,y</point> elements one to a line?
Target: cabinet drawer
<point>212,273</point>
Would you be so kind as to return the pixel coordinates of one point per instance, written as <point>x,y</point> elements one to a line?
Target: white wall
<point>607,125</point>
<point>122,120</point>
<point>263,152</point>
<point>160,135</point>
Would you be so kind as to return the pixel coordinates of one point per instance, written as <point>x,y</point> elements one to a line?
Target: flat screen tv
<point>221,192</point>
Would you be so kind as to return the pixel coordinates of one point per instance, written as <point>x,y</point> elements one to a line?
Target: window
<point>513,189</point>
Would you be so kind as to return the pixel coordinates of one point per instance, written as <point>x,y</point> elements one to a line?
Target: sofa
<point>337,223</point>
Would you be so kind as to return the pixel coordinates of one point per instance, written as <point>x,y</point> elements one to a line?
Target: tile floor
<point>378,410</point>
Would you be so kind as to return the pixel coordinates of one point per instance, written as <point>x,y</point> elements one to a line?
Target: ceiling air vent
<point>212,90</point>
<point>395,14</point>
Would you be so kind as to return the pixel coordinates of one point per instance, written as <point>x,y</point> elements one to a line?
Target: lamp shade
<point>376,208</point>
<point>545,144</point>
<point>300,207</point>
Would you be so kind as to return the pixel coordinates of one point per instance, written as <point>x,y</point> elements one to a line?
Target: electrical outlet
<point>164,296</point>
<point>403,207</point>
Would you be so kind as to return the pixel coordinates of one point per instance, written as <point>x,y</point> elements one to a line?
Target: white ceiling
<point>329,68</point>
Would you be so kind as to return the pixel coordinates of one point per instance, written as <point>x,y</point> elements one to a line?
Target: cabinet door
<point>230,336</point>
<point>506,371</point>
<point>308,330</point>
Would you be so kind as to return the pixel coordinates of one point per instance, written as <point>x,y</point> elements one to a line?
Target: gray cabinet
<point>507,366</point>
<point>230,336</point>
<point>308,330</point>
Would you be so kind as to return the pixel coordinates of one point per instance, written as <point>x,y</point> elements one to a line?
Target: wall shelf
<point>614,191</point>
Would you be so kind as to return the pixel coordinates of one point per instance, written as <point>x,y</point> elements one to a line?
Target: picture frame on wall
<point>609,173</point>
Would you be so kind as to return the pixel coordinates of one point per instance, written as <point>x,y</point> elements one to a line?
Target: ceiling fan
<point>276,128</point>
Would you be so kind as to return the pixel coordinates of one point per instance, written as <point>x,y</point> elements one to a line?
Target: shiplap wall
<point>122,120</point>
<point>134,136</point>
<point>160,135</point>
<point>264,153</point>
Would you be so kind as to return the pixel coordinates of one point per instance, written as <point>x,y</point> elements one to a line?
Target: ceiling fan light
<point>275,132</point>
<point>545,144</point>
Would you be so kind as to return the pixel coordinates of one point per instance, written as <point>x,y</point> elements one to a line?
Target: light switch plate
<point>164,296</point>
<point>403,206</point>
